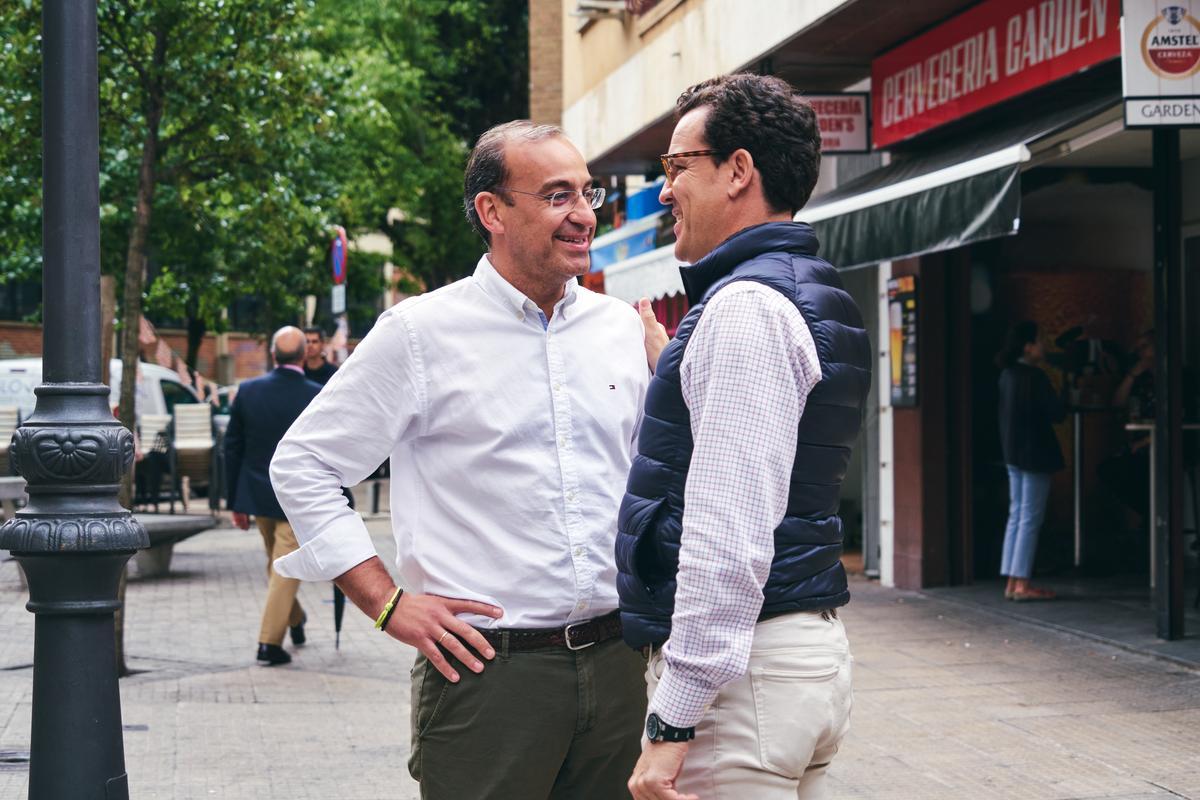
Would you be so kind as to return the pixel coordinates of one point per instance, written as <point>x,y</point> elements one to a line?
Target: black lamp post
<point>73,538</point>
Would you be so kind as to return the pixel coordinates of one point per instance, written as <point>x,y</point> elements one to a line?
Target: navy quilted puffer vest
<point>806,573</point>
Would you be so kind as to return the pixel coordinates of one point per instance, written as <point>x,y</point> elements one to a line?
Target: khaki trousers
<point>771,734</point>
<point>282,609</point>
<point>550,724</point>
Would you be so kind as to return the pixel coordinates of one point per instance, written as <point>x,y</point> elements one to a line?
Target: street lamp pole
<point>73,538</point>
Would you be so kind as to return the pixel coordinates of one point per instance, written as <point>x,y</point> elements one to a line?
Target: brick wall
<point>23,340</point>
<point>249,353</point>
<point>545,61</point>
<point>20,339</point>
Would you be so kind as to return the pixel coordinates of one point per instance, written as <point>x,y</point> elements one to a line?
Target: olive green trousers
<point>550,724</point>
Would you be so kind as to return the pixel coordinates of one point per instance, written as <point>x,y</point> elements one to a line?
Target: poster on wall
<point>1160,63</point>
<point>902,343</point>
<point>843,121</point>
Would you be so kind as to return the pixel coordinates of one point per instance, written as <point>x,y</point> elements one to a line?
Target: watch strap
<point>659,731</point>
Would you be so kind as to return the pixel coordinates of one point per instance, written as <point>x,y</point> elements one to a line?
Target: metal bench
<point>164,530</point>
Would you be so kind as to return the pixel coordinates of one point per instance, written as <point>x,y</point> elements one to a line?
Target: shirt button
<point>579,551</point>
<point>558,387</point>
<point>580,606</point>
<point>571,495</point>
<point>562,442</point>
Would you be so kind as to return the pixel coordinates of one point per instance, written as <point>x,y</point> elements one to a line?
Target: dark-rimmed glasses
<point>567,198</point>
<point>669,169</point>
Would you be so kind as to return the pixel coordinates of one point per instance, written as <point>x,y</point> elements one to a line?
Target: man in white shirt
<point>729,542</point>
<point>508,403</point>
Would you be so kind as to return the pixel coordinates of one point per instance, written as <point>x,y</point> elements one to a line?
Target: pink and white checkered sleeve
<point>749,367</point>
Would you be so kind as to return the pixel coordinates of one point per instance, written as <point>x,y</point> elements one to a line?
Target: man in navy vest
<point>729,542</point>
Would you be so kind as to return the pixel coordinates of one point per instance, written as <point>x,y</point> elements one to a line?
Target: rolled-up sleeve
<point>373,402</point>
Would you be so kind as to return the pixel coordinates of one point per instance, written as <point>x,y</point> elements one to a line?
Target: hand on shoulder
<point>655,333</point>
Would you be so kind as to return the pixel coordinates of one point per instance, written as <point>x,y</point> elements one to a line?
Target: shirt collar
<point>494,285</point>
<point>767,237</point>
<point>292,367</point>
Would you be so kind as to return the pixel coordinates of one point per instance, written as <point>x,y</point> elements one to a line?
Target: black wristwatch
<point>659,731</point>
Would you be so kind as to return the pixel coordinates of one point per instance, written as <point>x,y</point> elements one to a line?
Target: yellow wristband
<point>386,614</point>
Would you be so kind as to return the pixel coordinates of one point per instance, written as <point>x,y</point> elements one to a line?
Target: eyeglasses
<point>669,168</point>
<point>567,198</point>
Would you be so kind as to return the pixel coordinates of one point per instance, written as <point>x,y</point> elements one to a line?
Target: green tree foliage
<point>426,77</point>
<point>235,133</point>
<point>20,145</point>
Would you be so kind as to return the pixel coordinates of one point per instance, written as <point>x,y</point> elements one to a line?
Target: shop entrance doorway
<point>1081,269</point>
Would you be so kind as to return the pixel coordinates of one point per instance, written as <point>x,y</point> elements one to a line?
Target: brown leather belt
<point>827,614</point>
<point>575,636</point>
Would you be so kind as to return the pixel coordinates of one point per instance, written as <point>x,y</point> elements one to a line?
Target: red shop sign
<point>997,50</point>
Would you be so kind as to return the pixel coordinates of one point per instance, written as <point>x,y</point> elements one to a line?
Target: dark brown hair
<point>766,117</point>
<point>1020,334</point>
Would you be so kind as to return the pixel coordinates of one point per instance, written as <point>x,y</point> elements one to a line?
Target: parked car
<point>159,389</point>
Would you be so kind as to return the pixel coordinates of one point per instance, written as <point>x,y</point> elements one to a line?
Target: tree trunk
<point>131,324</point>
<point>135,282</point>
<point>195,337</point>
<point>108,311</point>
<point>131,306</point>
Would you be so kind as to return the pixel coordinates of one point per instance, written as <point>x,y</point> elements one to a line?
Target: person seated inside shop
<point>1127,473</point>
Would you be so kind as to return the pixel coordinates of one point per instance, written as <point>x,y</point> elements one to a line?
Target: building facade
<point>1001,183</point>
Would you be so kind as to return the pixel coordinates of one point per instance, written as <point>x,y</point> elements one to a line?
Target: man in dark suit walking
<point>262,412</point>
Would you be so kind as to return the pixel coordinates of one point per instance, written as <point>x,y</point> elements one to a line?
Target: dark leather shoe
<point>273,654</point>
<point>297,631</point>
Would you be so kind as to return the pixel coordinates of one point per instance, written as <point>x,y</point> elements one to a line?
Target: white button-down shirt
<point>510,441</point>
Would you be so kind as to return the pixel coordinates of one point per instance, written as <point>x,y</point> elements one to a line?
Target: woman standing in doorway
<point>1029,408</point>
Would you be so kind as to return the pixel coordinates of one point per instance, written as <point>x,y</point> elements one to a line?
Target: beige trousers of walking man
<point>282,610</point>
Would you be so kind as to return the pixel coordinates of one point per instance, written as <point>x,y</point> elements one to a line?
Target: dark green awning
<point>927,202</point>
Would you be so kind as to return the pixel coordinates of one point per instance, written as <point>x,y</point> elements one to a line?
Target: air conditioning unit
<point>598,9</point>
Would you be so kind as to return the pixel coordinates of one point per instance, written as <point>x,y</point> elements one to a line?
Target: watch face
<point>652,727</point>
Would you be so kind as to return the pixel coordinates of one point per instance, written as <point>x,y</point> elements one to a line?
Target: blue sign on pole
<point>337,256</point>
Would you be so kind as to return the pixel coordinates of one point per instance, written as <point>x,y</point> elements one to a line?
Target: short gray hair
<point>486,169</point>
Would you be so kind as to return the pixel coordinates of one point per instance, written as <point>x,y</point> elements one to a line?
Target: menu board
<point>902,343</point>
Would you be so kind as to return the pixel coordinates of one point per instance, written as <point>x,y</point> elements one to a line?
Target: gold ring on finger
<point>443,636</point>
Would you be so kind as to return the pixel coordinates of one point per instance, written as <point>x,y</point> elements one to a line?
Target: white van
<point>158,389</point>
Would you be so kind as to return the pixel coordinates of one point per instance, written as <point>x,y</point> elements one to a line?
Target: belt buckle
<point>567,635</point>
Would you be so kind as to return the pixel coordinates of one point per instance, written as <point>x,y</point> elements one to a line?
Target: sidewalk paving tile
<point>950,701</point>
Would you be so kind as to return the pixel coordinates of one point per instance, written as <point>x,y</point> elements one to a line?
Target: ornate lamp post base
<point>72,541</point>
